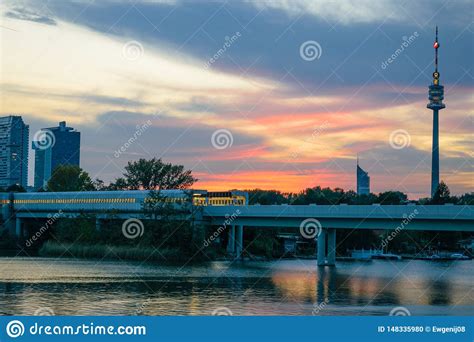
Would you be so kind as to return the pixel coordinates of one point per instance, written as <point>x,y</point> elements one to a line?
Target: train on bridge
<point>121,200</point>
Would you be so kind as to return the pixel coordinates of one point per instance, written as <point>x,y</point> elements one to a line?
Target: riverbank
<point>100,251</point>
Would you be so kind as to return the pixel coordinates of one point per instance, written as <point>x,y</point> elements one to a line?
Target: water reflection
<point>292,287</point>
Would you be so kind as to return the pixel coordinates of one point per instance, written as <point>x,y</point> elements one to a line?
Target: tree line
<point>82,238</point>
<point>328,196</point>
<point>154,174</point>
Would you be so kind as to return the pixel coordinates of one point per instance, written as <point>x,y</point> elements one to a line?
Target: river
<point>285,287</point>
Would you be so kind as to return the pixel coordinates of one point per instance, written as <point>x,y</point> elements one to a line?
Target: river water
<point>286,287</point>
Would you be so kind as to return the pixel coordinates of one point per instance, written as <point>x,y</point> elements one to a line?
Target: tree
<point>153,174</point>
<point>99,185</point>
<point>323,196</point>
<point>392,198</point>
<point>70,178</point>
<point>157,206</point>
<point>363,199</point>
<point>467,198</point>
<point>267,197</point>
<point>442,194</point>
<point>119,184</point>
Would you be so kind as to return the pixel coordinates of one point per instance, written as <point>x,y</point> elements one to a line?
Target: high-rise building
<point>363,181</point>
<point>436,96</point>
<point>14,135</point>
<point>55,146</point>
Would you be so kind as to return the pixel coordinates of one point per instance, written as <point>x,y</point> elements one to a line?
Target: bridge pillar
<point>231,240</point>
<point>18,227</point>
<point>10,225</point>
<point>331,256</point>
<point>239,243</point>
<point>322,248</point>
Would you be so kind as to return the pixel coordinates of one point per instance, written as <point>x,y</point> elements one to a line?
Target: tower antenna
<point>436,46</point>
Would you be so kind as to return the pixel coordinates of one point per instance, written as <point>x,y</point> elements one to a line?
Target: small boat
<point>374,254</point>
<point>387,256</point>
<point>444,257</point>
<point>459,256</point>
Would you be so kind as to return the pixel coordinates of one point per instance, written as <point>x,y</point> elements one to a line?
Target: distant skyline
<point>162,78</point>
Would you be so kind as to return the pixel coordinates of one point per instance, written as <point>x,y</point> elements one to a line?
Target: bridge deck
<point>410,217</point>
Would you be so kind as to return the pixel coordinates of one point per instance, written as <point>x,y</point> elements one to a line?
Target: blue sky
<point>109,66</point>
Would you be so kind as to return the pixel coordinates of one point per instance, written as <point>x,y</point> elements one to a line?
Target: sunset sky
<point>292,120</point>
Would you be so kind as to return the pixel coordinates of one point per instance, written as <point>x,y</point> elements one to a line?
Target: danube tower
<point>436,96</point>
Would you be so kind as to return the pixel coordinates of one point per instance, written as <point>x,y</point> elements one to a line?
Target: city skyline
<point>294,123</point>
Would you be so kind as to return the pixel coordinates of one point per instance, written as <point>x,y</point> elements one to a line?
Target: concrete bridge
<point>321,221</point>
<point>314,221</point>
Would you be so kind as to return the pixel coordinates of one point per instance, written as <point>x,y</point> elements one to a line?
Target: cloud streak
<point>294,123</point>
<point>29,15</point>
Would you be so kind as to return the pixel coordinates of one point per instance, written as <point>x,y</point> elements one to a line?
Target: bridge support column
<point>18,227</point>
<point>331,256</point>
<point>322,248</point>
<point>10,225</point>
<point>239,243</point>
<point>231,240</point>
